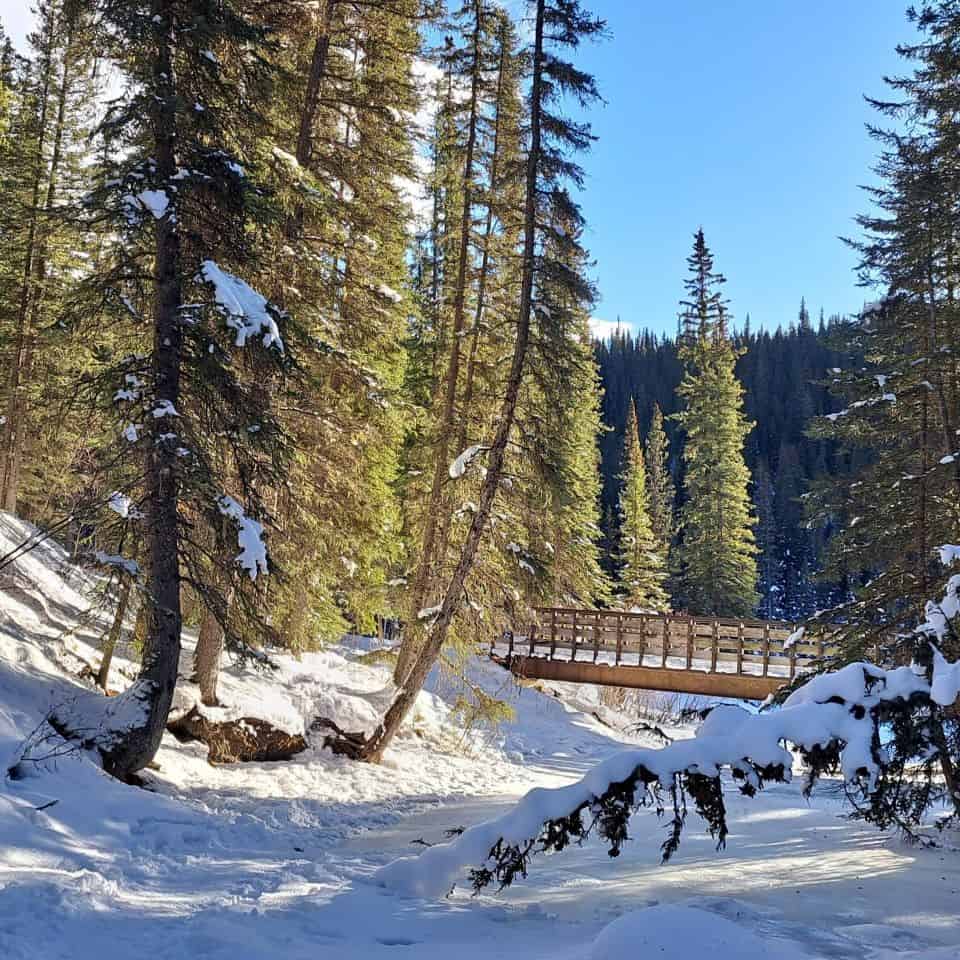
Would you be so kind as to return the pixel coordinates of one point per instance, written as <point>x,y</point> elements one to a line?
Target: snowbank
<point>677,932</point>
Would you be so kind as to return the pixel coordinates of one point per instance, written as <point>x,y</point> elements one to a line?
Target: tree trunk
<point>134,745</point>
<point>113,636</point>
<point>432,546</point>
<point>209,651</point>
<point>311,104</point>
<point>374,748</point>
<point>15,428</point>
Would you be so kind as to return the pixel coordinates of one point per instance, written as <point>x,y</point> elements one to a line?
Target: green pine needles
<point>643,568</point>
<point>716,551</point>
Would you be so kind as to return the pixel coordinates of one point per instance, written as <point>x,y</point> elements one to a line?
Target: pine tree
<point>717,550</point>
<point>660,488</point>
<point>546,282</point>
<point>41,162</point>
<point>178,206</point>
<point>476,67</point>
<point>899,406</point>
<point>642,565</point>
<point>343,275</point>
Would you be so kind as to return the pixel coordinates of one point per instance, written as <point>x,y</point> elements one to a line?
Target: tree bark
<point>113,636</point>
<point>132,748</point>
<point>374,748</point>
<point>209,650</point>
<point>311,104</point>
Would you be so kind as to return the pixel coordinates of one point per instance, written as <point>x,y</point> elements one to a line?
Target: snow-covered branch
<point>832,721</point>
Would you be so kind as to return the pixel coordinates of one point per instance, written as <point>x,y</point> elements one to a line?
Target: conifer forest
<point>390,495</point>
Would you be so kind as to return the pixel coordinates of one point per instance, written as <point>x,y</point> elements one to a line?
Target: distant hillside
<point>781,373</point>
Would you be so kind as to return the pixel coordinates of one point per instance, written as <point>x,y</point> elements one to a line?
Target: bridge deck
<point>675,652</point>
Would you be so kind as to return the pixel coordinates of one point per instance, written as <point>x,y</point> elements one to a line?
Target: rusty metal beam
<point>740,686</point>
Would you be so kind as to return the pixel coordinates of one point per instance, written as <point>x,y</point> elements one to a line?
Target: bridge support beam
<point>739,686</point>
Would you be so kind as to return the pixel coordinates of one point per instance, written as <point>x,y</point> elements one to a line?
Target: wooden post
<point>532,638</point>
<point>716,646</point>
<point>643,640</point>
<point>596,635</point>
<point>664,646</point>
<point>553,631</point>
<point>691,629</point>
<point>766,647</point>
<point>740,648</point>
<point>573,639</point>
<point>793,655</point>
<point>619,640</point>
<point>510,648</point>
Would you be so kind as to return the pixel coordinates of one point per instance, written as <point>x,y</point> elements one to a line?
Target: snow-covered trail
<point>803,881</point>
<point>799,876</point>
<point>276,860</point>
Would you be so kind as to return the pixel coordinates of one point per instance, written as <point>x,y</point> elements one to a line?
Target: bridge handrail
<point>678,615</point>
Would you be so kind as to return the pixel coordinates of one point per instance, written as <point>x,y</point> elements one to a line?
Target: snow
<point>122,504</point>
<point>945,686</point>
<point>949,552</point>
<point>246,311</point>
<point>156,201</point>
<point>116,560</point>
<point>459,466</point>
<point>730,737</point>
<point>674,932</point>
<point>264,860</point>
<point>164,408</point>
<point>253,550</point>
<point>389,293</point>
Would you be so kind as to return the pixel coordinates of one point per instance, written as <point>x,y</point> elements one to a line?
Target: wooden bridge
<point>713,656</point>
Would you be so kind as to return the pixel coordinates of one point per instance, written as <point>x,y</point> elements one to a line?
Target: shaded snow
<point>267,860</point>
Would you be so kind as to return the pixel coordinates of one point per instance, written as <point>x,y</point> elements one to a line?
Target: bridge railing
<point>763,648</point>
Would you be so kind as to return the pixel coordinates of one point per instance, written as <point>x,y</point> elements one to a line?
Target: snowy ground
<point>276,860</point>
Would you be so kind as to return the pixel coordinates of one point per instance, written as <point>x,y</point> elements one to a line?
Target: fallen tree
<point>243,739</point>
<point>893,734</point>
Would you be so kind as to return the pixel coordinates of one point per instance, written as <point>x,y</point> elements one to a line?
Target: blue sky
<point>745,117</point>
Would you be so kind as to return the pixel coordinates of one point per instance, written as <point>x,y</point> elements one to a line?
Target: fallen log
<point>242,740</point>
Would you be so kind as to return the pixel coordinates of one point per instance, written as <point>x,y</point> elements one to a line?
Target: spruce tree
<point>42,163</point>
<point>717,566</point>
<point>899,403</point>
<point>180,210</point>
<point>642,565</point>
<point>660,490</point>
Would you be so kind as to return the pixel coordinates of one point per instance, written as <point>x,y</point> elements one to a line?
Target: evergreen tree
<point>642,565</point>
<point>717,549</point>
<point>548,281</point>
<point>660,487</point>
<point>343,275</point>
<point>42,163</point>
<point>180,209</point>
<point>899,404</point>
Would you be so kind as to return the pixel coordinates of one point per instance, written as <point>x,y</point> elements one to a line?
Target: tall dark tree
<point>179,196</point>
